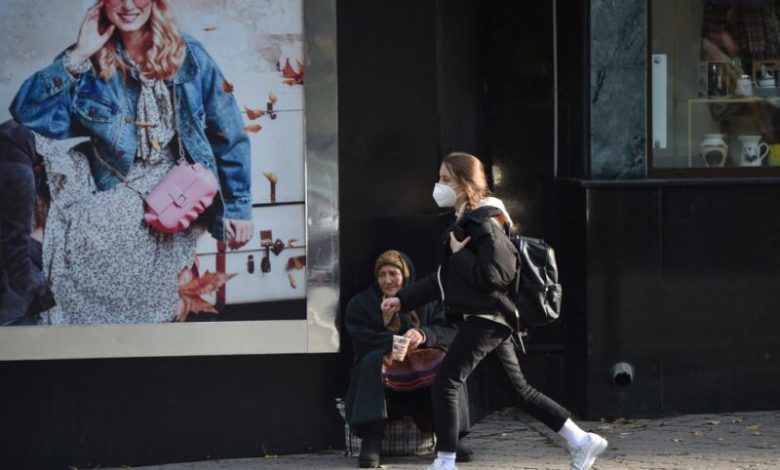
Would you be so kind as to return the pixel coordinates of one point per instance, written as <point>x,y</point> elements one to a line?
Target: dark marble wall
<point>618,50</point>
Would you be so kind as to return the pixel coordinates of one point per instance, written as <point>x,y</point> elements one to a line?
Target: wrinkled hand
<point>455,245</point>
<point>239,232</point>
<point>391,304</point>
<point>415,338</point>
<point>90,40</point>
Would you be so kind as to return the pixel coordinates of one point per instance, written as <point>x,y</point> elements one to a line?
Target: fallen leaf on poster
<point>296,262</point>
<point>253,113</point>
<point>292,280</point>
<point>272,98</point>
<point>227,87</point>
<point>293,76</point>
<point>254,128</point>
<point>192,287</point>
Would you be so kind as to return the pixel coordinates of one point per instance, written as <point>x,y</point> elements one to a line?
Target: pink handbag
<point>185,192</point>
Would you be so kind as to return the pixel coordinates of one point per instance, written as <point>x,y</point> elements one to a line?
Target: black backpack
<point>535,291</point>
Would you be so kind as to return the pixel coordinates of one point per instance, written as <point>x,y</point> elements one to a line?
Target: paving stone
<point>509,440</point>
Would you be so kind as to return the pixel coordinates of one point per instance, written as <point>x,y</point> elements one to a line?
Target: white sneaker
<point>441,464</point>
<point>582,457</point>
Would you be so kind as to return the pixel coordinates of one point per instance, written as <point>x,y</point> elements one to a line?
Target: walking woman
<point>478,263</point>
<point>145,95</point>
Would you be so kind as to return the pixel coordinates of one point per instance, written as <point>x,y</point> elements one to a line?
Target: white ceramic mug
<point>753,150</point>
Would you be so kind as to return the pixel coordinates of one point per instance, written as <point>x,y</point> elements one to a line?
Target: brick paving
<point>510,440</point>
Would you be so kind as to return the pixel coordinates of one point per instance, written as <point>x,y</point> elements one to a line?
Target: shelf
<point>726,99</point>
<point>773,100</point>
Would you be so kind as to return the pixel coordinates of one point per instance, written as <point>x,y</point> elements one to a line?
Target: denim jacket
<point>56,104</point>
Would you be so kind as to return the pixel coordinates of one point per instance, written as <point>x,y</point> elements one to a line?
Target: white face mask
<point>444,195</point>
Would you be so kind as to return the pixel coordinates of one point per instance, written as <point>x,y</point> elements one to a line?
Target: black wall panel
<point>682,284</point>
<point>115,412</point>
<point>624,301</point>
<point>721,271</point>
<point>388,111</point>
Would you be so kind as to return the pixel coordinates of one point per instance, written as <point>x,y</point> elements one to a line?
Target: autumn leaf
<point>271,177</point>
<point>208,283</point>
<point>291,279</point>
<point>253,113</point>
<point>272,98</point>
<point>296,262</point>
<point>227,87</point>
<point>292,76</point>
<point>254,128</point>
<point>192,287</point>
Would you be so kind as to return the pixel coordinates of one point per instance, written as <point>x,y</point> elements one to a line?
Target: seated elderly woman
<point>375,394</point>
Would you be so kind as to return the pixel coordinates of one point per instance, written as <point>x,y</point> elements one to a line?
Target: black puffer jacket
<point>475,279</point>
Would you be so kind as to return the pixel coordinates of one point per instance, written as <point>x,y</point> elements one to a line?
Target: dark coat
<point>366,399</point>
<point>475,279</point>
<point>363,321</point>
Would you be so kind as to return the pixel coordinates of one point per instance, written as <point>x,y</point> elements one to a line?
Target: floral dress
<point>104,264</point>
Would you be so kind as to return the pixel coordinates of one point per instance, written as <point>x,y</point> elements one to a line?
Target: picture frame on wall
<point>278,293</point>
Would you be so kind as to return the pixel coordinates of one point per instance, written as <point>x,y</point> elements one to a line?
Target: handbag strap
<point>116,172</point>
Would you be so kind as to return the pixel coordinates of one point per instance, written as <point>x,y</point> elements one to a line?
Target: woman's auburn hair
<point>469,173</point>
<point>164,56</point>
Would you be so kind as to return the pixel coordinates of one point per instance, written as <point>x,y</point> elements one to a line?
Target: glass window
<point>715,99</point>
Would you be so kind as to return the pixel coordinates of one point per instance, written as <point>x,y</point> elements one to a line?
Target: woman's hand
<point>90,40</point>
<point>455,245</point>
<point>239,232</point>
<point>416,338</point>
<point>391,304</point>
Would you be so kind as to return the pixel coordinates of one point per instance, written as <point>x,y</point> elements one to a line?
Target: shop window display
<point>715,88</point>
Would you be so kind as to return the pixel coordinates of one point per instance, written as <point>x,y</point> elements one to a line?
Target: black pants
<point>22,286</point>
<point>475,339</point>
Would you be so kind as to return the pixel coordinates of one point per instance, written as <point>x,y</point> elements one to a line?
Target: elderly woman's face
<point>128,15</point>
<point>390,279</point>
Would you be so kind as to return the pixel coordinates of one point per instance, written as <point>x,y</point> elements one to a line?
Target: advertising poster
<point>164,187</point>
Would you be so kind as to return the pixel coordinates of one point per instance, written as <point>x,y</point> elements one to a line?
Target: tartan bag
<point>402,437</point>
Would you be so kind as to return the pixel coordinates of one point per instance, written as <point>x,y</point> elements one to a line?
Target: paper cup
<point>400,345</point>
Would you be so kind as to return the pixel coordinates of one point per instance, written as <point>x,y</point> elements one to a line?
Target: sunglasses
<point>116,3</point>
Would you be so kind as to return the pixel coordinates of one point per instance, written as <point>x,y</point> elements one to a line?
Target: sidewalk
<point>504,441</point>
